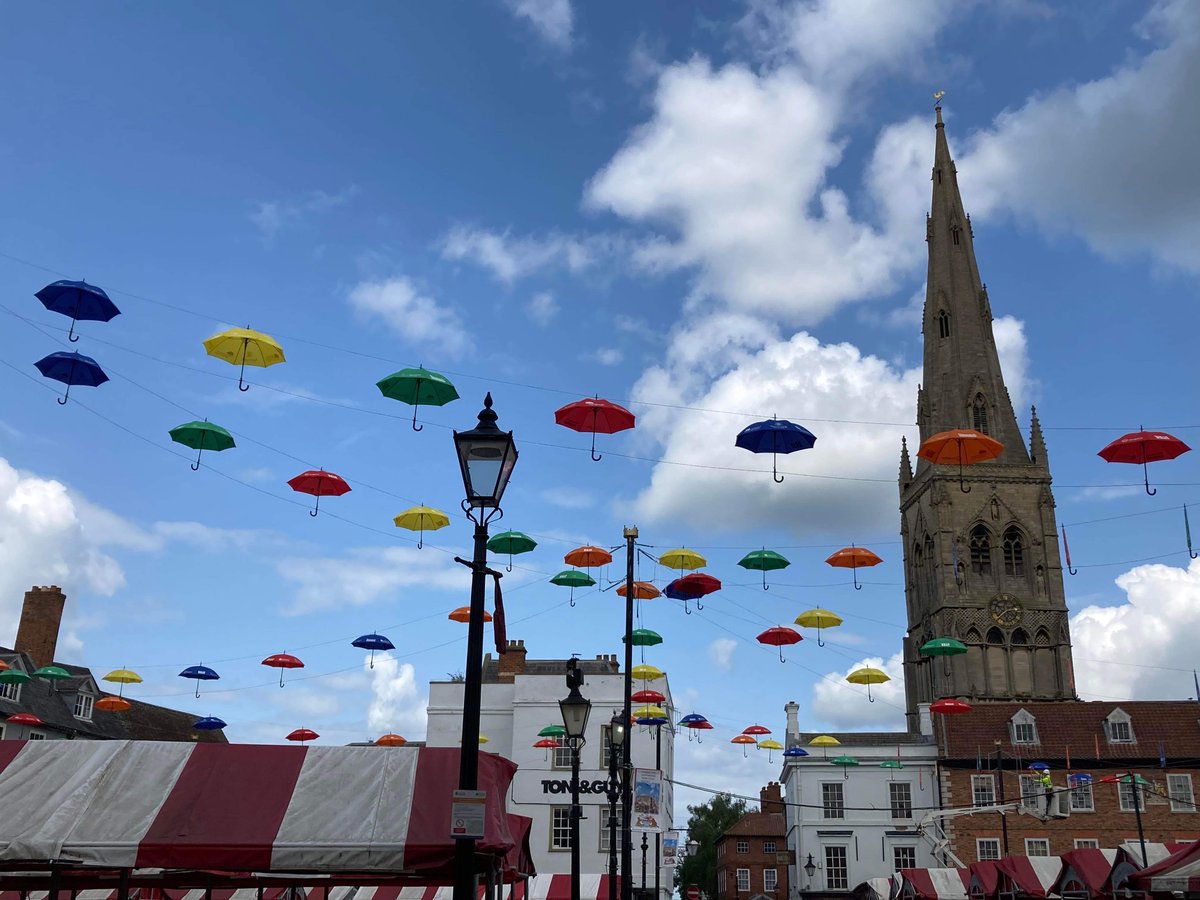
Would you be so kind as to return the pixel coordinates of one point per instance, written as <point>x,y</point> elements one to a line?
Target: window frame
<point>976,782</point>
<point>738,873</point>
<point>910,851</point>
<point>769,847</point>
<point>1023,719</point>
<point>902,808</point>
<point>11,692</point>
<point>843,867</point>
<point>979,550</point>
<point>1076,792</point>
<point>774,886</point>
<point>1118,717</point>
<point>564,747</point>
<point>989,842</point>
<point>1031,843</point>
<point>1187,805</point>
<point>1126,794</point>
<point>1031,799</point>
<point>741,846</point>
<point>1086,843</point>
<point>606,813</point>
<point>833,809</point>
<point>88,702</point>
<point>36,736</point>
<point>605,746</point>
<point>557,828</point>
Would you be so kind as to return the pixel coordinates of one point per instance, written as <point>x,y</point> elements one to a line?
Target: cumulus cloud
<point>542,308</point>
<point>510,257</point>
<point>396,702</point>
<point>720,653</point>
<point>552,20</point>
<point>398,304</point>
<point>1012,348</point>
<point>270,217</point>
<point>364,576</point>
<point>845,706</point>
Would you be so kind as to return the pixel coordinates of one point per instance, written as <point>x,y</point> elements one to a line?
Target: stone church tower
<point>980,566</point>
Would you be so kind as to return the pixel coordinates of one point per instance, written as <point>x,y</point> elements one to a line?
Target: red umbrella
<point>854,558</point>
<point>302,735</point>
<point>950,707</point>
<point>779,636</point>
<point>647,696</point>
<point>24,719</point>
<point>594,415</point>
<point>1144,447</point>
<point>320,484</point>
<point>283,661</point>
<point>698,584</point>
<point>756,730</point>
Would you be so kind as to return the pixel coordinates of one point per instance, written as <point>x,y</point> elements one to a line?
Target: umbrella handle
<point>766,587</point>
<point>572,598</point>
<point>509,567</point>
<point>281,677</point>
<point>775,471</point>
<point>781,659</point>
<point>316,509</point>
<point>371,660</point>
<point>854,571</point>
<point>421,539</point>
<point>197,689</point>
<point>870,699</point>
<point>686,609</point>
<point>196,465</point>
<point>1146,473</point>
<point>820,642</point>
<point>242,386</point>
<point>71,335</point>
<point>699,605</point>
<point>596,457</point>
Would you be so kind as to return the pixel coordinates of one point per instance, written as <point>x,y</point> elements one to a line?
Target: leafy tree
<point>706,823</point>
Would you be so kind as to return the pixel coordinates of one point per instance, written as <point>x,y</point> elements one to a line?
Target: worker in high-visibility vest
<point>1048,787</point>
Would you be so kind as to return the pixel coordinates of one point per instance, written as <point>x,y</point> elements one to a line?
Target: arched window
<point>1020,638</point>
<point>972,636</point>
<point>1014,553</point>
<point>1042,638</point>
<point>979,414</point>
<point>981,551</point>
<point>995,636</point>
<point>918,570</point>
<point>943,319</point>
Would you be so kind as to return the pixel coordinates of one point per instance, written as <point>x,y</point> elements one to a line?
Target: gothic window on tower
<point>981,550</point>
<point>979,414</point>
<point>918,570</point>
<point>1020,638</point>
<point>930,561</point>
<point>995,637</point>
<point>943,320</point>
<point>1014,553</point>
<point>956,234</point>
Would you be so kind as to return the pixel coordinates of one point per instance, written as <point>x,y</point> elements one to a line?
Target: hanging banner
<point>670,848</point>
<point>648,800</point>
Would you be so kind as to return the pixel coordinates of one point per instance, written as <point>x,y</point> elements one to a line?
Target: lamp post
<point>618,729</point>
<point>486,456</point>
<point>631,535</point>
<point>810,869</point>
<point>575,710</point>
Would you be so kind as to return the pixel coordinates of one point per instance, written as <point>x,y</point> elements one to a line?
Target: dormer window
<point>10,692</point>
<point>1118,727</point>
<point>943,322</point>
<point>1023,728</point>
<point>84,703</point>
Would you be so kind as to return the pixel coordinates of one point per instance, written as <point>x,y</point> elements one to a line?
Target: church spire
<point>963,384</point>
<point>906,474</point>
<point>1037,444</point>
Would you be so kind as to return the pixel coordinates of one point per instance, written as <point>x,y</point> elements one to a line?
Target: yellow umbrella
<point>818,619</point>
<point>823,741</point>
<point>646,672</point>
<point>649,712</point>
<point>123,677</point>
<point>868,677</point>
<point>769,745</point>
<point>244,347</point>
<point>682,559</point>
<point>422,519</point>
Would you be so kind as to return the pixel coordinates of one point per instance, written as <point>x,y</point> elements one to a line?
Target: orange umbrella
<point>463,614</point>
<point>113,704</point>
<point>854,558</point>
<point>390,740</point>
<point>588,557</point>
<point>642,590</point>
<point>743,739</point>
<point>964,446</point>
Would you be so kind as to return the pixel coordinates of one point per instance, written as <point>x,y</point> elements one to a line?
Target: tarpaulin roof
<point>1178,872</point>
<point>935,884</point>
<point>240,808</point>
<point>1031,875</point>
<point>1155,852</point>
<point>1087,869</point>
<point>985,877</point>
<point>543,887</point>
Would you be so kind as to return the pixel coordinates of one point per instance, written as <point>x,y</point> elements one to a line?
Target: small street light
<point>486,456</point>
<point>693,847</point>
<point>617,732</point>
<point>810,867</point>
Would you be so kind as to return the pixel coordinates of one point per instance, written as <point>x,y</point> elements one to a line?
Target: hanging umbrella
<point>649,712</point>
<point>756,730</point>
<point>642,590</point>
<point>14,676</point>
<point>891,764</point>
<point>320,484</point>
<point>845,762</point>
<point>483,739</point>
<point>463,614</point>
<point>780,636</point>
<point>512,543</point>
<point>868,676</point>
<point>553,731</point>
<point>695,722</point>
<point>795,752</point>
<point>824,741</point>
<point>422,519</point>
<point>79,301</point>
<point>113,704</point>
<point>201,436</point>
<point>209,723</point>
<point>646,672</point>
<point>390,740</point>
<point>950,707</point>
<point>199,674</point>
<point>572,578</point>
<point>52,673</point>
<point>964,446</point>
<point>775,436</point>
<point>692,587</point>
<point>943,646</point>
<point>1142,447</point>
<point>854,558</point>
<point>743,739</point>
<point>24,719</point>
<point>283,661</point>
<point>3,665</point>
<point>418,387</point>
<point>1038,766</point>
<point>644,637</point>
<point>547,744</point>
<point>764,560</point>
<point>302,735</point>
<point>647,696</point>
<point>682,559</point>
<point>1079,778</point>
<point>818,619</point>
<point>71,369</point>
<point>372,642</point>
<point>122,677</point>
<point>652,721</point>
<point>588,557</point>
<point>594,415</point>
<point>769,745</point>
<point>244,347</point>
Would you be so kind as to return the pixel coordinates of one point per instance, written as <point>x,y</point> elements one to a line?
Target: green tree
<point>706,823</point>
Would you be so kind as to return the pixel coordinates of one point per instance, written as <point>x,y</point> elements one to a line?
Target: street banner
<point>670,848</point>
<point>648,800</point>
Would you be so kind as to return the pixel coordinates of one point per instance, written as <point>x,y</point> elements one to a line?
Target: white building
<point>520,697</point>
<point>860,821</point>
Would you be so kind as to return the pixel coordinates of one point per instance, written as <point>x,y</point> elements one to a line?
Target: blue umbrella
<point>79,300</point>
<point>199,673</point>
<point>775,436</point>
<point>795,752</point>
<point>652,720</point>
<point>209,723</point>
<point>1079,778</point>
<point>373,642</point>
<point>1038,766</point>
<point>71,368</point>
<point>677,591</point>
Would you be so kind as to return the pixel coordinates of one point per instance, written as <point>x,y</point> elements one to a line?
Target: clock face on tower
<point>1006,611</point>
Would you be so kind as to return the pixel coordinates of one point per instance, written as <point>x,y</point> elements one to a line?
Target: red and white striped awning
<point>985,878</point>
<point>240,808</point>
<point>934,884</point>
<point>543,887</point>
<point>1178,872</point>
<point>1032,876</point>
<point>1086,870</point>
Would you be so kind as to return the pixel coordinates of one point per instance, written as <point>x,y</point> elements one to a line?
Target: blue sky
<point>711,212</point>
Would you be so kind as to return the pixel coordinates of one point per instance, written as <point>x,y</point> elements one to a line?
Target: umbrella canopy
<point>756,730</point>
<point>868,676</point>
<point>698,584</point>
<point>770,744</point>
<point>422,519</point>
<point>824,740</point>
<point>765,561</point>
<point>319,483</point>
<point>844,761</point>
<point>418,387</point>
<point>302,735</point>
<point>742,739</point>
<point>3,665</point>
<point>553,731</point>
<point>891,764</point>
<point>964,446</point>
<point>950,707</point>
<point>1142,447</point>
<point>1038,766</point>
<point>588,557</point>
<point>691,720</point>
<point>943,646</point>
<point>795,752</point>
<point>682,559</point>
<point>463,614</point>
<point>647,696</point>
<point>51,673</point>
<point>646,672</point>
<point>780,636</point>
<point>642,590</point>
<point>79,302</point>
<point>652,720</point>
<point>372,642</point>
<point>123,676</point>
<point>775,436</point>
<point>512,543</point>
<point>644,637</point>
<point>209,723</point>
<point>649,712</point>
<point>573,578</point>
<point>14,676</point>
<point>244,347</point>
<point>24,719</point>
<point>71,369</point>
<point>199,674</point>
<point>201,436</point>
<point>113,704</point>
<point>547,744</point>
<point>283,661</point>
<point>596,416</point>
<point>818,619</point>
<point>390,740</point>
<point>854,558</point>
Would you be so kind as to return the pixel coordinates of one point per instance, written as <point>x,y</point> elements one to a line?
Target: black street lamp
<point>575,710</point>
<point>618,729</point>
<point>486,456</point>
<point>810,867</point>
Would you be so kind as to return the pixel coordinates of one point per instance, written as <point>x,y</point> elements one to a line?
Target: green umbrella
<point>553,731</point>
<point>419,387</point>
<point>845,762</point>
<point>201,436</point>
<point>511,542</point>
<point>943,646</point>
<point>644,637</point>
<point>891,764</point>
<point>14,676</point>
<point>765,561</point>
<point>573,578</point>
<point>54,673</point>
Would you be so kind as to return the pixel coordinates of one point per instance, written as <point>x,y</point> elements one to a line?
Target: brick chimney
<point>770,798</point>
<point>512,661</point>
<point>41,614</point>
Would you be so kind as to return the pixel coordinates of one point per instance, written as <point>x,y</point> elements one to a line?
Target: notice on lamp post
<point>647,800</point>
<point>467,814</point>
<point>670,848</point>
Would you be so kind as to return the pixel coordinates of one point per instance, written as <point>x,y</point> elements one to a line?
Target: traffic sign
<point>693,892</point>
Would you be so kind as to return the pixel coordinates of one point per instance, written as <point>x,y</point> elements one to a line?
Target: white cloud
<point>1014,358</point>
<point>569,497</point>
<point>365,576</point>
<point>1159,621</point>
<point>552,20</point>
<point>270,217</point>
<point>413,316</point>
<point>396,703</point>
<point>509,258</point>
<point>607,356</point>
<point>720,653</point>
<point>846,706</point>
<point>542,308</point>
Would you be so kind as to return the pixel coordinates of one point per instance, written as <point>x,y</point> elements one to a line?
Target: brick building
<point>986,759</point>
<point>752,857</point>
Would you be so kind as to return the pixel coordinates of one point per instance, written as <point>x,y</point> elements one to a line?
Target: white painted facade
<point>865,815</point>
<point>513,712</point>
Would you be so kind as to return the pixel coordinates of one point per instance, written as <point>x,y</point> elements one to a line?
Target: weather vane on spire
<point>937,97</point>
